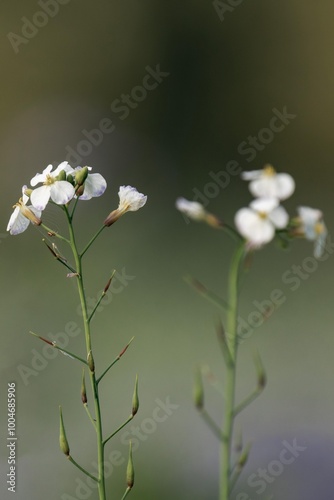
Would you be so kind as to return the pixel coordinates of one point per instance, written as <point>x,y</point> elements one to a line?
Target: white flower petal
<point>279,217</point>
<point>61,192</point>
<point>13,218</point>
<point>320,244</point>
<point>41,177</point>
<point>130,199</point>
<point>279,186</point>
<point>250,176</point>
<point>17,224</point>
<point>62,166</point>
<point>40,197</point>
<point>264,205</point>
<point>95,185</point>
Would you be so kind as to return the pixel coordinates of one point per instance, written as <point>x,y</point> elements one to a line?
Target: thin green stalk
<point>230,380</point>
<point>212,424</point>
<point>91,241</point>
<point>71,459</point>
<point>98,419</point>
<point>118,429</point>
<point>254,395</point>
<point>98,380</point>
<point>127,491</point>
<point>90,416</point>
<point>57,235</point>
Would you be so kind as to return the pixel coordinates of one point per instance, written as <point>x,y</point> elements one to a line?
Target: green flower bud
<point>70,179</point>
<point>81,176</point>
<point>130,473</point>
<point>90,361</point>
<point>62,436</point>
<point>135,399</point>
<point>61,176</point>
<point>28,191</point>
<point>198,390</point>
<point>244,457</point>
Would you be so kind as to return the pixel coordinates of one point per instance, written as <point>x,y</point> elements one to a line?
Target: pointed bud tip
<point>135,399</point>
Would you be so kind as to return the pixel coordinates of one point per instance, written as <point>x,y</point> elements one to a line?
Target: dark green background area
<point>225,79</point>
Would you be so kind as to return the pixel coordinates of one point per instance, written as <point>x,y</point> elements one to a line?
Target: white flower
<point>267,183</point>
<point>259,222</point>
<point>130,200</point>
<point>94,185</point>
<point>312,226</point>
<point>191,209</point>
<point>23,215</point>
<point>60,191</point>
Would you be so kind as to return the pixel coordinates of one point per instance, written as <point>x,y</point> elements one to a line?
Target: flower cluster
<point>259,222</point>
<point>62,185</point>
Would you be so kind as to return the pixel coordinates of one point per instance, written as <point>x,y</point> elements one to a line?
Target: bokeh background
<point>226,74</point>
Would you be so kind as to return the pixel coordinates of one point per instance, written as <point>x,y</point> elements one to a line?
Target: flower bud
<point>90,361</point>
<point>112,217</point>
<point>80,191</point>
<point>28,191</point>
<point>62,436</point>
<point>70,179</point>
<point>83,389</point>
<point>61,176</point>
<point>135,399</point>
<point>81,176</point>
<point>130,473</point>
<point>243,457</point>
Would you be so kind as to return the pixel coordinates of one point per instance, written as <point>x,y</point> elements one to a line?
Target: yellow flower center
<point>319,228</point>
<point>263,215</point>
<point>269,171</point>
<point>49,180</point>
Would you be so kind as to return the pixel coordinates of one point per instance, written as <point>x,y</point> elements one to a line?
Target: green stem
<point>95,391</point>
<point>127,491</point>
<point>55,234</point>
<point>117,430</point>
<point>212,424</point>
<point>91,241</point>
<point>230,381</point>
<point>71,459</point>
<point>90,416</point>
<point>255,394</point>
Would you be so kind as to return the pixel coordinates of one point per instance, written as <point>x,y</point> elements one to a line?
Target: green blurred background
<point>225,78</point>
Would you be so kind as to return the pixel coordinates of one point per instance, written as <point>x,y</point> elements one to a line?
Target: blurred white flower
<point>130,200</point>
<point>191,209</point>
<point>60,191</point>
<point>312,226</point>
<point>23,215</point>
<point>258,223</point>
<point>267,183</point>
<point>94,185</point>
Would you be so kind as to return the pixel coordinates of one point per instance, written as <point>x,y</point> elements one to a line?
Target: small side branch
<point>115,361</point>
<point>117,430</point>
<point>71,459</point>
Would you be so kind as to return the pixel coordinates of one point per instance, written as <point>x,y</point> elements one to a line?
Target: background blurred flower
<point>259,222</point>
<point>312,226</point>
<point>267,183</point>
<point>191,209</point>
